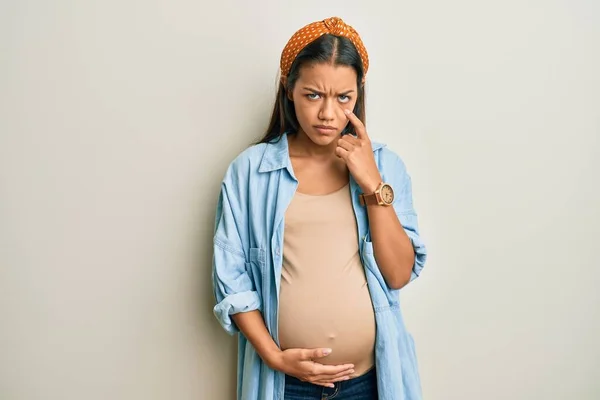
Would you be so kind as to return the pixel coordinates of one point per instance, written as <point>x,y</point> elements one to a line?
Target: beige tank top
<point>324,298</point>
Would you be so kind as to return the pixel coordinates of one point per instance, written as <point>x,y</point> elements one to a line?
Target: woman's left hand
<point>358,155</point>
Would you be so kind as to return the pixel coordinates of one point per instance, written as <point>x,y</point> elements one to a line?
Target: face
<point>320,95</point>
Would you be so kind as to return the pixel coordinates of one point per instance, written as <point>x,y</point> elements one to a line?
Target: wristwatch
<point>383,196</point>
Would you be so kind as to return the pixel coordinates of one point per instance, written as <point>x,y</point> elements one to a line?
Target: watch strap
<point>369,199</point>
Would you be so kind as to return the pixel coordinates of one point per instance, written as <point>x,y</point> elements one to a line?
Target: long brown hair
<point>326,48</point>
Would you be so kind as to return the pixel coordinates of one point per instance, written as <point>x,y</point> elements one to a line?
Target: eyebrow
<point>319,92</point>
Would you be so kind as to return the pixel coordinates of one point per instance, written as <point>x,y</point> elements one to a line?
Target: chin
<point>323,140</point>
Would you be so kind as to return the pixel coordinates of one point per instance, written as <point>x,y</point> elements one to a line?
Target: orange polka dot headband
<point>311,32</point>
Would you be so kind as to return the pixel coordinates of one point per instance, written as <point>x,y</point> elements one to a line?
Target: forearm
<point>393,248</point>
<point>252,325</point>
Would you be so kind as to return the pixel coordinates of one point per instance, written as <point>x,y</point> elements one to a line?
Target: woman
<point>315,234</point>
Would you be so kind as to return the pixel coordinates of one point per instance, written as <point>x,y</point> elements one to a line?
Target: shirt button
<point>278,252</point>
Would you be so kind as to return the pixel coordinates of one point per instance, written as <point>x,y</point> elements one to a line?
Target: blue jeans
<point>363,387</point>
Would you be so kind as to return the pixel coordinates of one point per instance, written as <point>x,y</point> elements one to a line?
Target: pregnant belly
<point>342,319</point>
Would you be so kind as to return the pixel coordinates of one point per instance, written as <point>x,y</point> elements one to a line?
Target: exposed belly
<point>336,314</point>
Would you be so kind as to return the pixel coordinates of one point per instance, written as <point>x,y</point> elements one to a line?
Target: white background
<point>119,118</point>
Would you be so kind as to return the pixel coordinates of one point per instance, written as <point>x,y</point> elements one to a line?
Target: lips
<point>325,130</point>
<point>324,127</point>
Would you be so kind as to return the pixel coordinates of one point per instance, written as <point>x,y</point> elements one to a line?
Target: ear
<point>362,84</point>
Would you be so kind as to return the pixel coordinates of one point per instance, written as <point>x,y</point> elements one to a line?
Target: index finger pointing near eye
<point>359,127</point>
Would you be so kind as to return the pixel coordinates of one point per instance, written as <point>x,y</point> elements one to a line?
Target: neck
<point>301,145</point>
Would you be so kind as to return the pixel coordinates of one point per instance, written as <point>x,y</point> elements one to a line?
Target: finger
<point>341,153</point>
<point>310,354</point>
<point>331,370</point>
<point>345,144</point>
<point>351,139</point>
<point>329,385</point>
<point>359,127</point>
<point>336,377</point>
<point>343,374</point>
<point>331,382</point>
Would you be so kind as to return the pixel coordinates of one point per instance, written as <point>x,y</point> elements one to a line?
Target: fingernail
<point>326,351</point>
<point>346,111</point>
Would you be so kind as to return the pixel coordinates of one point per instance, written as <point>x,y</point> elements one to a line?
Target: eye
<point>313,96</point>
<point>343,98</point>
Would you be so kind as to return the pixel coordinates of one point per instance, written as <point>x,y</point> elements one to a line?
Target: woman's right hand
<point>300,363</point>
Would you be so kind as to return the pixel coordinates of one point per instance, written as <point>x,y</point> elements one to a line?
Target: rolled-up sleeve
<point>403,205</point>
<point>410,224</point>
<point>233,288</point>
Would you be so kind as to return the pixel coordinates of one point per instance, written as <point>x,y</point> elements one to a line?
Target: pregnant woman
<point>315,234</point>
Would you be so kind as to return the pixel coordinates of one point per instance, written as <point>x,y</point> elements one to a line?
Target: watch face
<point>387,194</point>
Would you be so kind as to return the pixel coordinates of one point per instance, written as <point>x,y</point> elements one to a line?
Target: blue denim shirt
<point>248,241</point>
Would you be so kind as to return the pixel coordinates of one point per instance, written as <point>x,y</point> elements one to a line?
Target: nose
<point>327,110</point>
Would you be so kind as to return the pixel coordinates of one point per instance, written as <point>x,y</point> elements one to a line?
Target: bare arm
<point>295,362</point>
<point>392,247</point>
<point>252,325</point>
